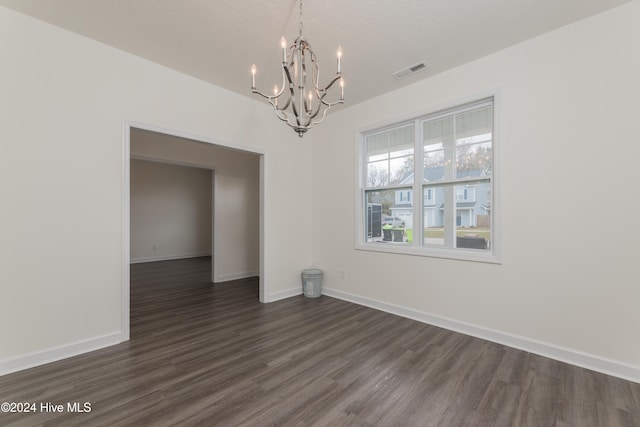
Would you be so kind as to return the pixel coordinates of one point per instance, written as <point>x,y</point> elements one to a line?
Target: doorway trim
<point>126,209</point>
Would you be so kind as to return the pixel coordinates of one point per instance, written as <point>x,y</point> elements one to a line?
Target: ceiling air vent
<point>406,72</point>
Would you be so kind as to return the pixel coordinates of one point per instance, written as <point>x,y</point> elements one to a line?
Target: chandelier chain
<point>300,18</point>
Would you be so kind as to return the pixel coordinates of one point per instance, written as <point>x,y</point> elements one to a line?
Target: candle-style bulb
<point>275,89</point>
<point>308,103</point>
<point>283,44</point>
<point>339,55</point>
<point>341,90</point>
<point>253,76</point>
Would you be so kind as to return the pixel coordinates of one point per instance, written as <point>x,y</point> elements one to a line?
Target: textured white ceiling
<point>218,40</point>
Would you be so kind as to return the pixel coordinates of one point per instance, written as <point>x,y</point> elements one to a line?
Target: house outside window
<point>450,215</point>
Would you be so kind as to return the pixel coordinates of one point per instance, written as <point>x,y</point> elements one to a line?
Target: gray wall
<point>236,192</point>
<point>170,211</point>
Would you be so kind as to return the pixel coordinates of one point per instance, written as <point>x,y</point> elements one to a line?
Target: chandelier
<point>297,102</point>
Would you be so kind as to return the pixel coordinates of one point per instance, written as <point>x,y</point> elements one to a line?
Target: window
<point>428,197</point>
<point>465,194</point>
<point>404,197</point>
<point>446,204</point>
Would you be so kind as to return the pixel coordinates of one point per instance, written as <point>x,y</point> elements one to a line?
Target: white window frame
<point>418,248</point>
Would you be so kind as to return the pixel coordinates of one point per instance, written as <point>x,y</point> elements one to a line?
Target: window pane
<point>474,122</point>
<point>390,157</point>
<point>473,160</point>
<point>438,130</point>
<point>401,141</point>
<point>473,223</point>
<point>458,216</point>
<point>433,215</point>
<point>401,146</point>
<point>474,134</point>
<point>389,215</point>
<point>433,162</point>
<point>433,166</point>
<point>378,174</point>
<point>377,152</point>
<point>438,149</point>
<point>377,146</point>
<point>401,170</point>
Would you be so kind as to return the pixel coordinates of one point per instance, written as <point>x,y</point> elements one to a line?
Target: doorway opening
<point>191,197</point>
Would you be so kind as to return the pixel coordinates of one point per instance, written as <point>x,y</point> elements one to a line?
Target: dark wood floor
<point>213,355</point>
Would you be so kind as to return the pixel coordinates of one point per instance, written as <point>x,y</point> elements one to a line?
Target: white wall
<point>568,286</point>
<point>170,211</point>
<point>64,103</point>
<point>237,196</point>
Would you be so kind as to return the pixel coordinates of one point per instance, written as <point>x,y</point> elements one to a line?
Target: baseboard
<point>58,353</point>
<point>167,258</point>
<point>573,357</point>
<point>287,293</point>
<point>237,276</point>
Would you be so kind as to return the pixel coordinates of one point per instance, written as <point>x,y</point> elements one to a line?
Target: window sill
<point>453,254</point>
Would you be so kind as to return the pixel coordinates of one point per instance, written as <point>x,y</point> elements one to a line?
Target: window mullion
<point>418,178</point>
<point>449,191</point>
<point>388,183</point>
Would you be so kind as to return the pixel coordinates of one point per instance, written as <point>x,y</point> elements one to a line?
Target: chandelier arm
<point>331,104</point>
<point>324,113</point>
<point>287,74</point>
<point>316,73</point>
<point>311,123</point>
<point>282,115</point>
<point>285,106</point>
<point>315,78</point>
<point>262,94</point>
<point>335,79</point>
<point>293,105</point>
<point>272,102</point>
<point>302,82</point>
<point>321,101</point>
<point>277,95</point>
<point>287,120</point>
<point>284,77</point>
<point>292,94</point>
<point>292,49</point>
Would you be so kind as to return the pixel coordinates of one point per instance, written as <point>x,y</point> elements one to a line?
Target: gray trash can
<point>312,283</point>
